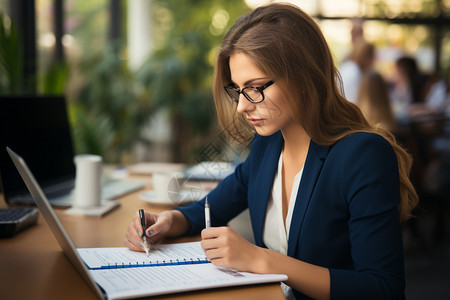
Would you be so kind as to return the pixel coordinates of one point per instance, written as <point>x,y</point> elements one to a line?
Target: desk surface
<point>33,266</point>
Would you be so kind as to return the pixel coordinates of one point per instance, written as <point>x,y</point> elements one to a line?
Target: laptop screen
<point>38,128</point>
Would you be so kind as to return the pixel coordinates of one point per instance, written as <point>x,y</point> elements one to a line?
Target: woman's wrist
<point>265,262</point>
<point>179,225</point>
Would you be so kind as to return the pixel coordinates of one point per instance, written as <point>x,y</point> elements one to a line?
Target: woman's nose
<point>244,105</point>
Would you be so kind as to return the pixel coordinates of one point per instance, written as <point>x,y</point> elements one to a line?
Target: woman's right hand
<point>157,227</point>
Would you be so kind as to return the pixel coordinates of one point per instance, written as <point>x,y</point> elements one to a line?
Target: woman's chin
<point>264,131</point>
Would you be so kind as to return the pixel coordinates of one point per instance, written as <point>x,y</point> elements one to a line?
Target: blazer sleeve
<point>226,201</point>
<point>370,185</point>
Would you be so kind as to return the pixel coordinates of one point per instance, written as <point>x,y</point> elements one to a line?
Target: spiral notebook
<point>160,255</point>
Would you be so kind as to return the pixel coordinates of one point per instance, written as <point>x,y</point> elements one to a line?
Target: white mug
<point>167,186</point>
<point>88,182</point>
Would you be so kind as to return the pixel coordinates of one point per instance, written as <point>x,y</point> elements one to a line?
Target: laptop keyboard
<point>13,214</point>
<point>112,189</point>
<point>13,220</point>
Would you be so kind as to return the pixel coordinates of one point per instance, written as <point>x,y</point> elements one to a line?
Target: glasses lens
<point>233,93</point>
<point>253,94</point>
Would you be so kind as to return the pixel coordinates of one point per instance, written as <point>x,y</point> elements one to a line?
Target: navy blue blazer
<point>345,216</point>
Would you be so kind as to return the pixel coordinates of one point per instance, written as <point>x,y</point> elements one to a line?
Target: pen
<point>146,246</point>
<point>207,214</point>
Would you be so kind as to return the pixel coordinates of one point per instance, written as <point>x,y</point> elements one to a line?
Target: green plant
<point>11,65</point>
<point>176,81</point>
<point>54,79</point>
<point>109,111</point>
<point>178,75</point>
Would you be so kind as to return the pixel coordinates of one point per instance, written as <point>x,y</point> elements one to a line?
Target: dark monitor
<point>38,128</point>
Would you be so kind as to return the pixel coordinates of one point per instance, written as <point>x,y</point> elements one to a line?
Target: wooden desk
<point>32,265</point>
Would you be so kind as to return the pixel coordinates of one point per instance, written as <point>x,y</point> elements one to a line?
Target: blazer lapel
<point>313,165</point>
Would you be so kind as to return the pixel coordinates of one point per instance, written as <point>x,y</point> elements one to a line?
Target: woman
<point>325,192</point>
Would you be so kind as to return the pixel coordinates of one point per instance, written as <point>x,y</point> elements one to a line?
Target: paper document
<point>170,268</point>
<point>150,281</point>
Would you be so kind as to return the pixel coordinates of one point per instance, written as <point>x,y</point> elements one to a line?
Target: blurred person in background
<point>374,101</point>
<point>352,70</point>
<point>446,105</point>
<point>407,87</point>
<point>357,32</point>
<point>436,97</point>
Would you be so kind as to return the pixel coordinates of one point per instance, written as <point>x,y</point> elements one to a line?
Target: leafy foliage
<point>108,112</point>
<point>11,65</point>
<point>179,73</point>
<point>54,79</point>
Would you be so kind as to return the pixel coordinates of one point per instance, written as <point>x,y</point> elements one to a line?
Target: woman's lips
<point>255,121</point>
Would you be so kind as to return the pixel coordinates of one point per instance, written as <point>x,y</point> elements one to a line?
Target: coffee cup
<point>167,186</point>
<point>88,187</point>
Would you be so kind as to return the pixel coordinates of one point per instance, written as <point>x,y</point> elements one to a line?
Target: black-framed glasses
<point>251,93</point>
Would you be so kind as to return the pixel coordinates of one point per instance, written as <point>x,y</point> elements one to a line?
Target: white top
<point>275,234</point>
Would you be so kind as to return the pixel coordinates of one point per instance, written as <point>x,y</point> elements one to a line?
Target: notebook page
<point>160,254</point>
<point>138,282</point>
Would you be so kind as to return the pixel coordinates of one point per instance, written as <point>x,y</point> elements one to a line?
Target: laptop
<point>55,225</point>
<point>38,128</point>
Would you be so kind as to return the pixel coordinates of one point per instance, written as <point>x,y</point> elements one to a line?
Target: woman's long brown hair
<point>287,45</point>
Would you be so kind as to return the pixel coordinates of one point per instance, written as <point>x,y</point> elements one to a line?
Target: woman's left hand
<point>226,248</point>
